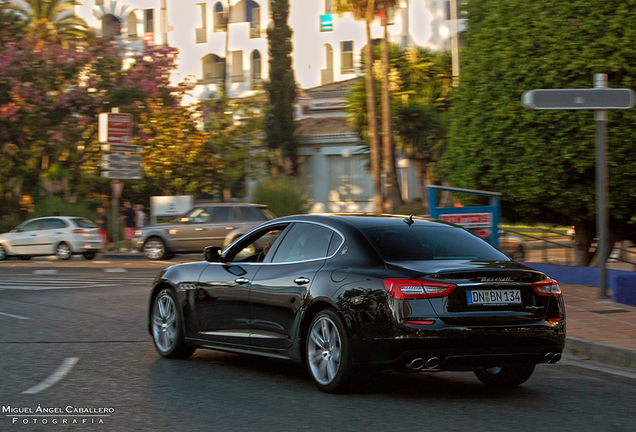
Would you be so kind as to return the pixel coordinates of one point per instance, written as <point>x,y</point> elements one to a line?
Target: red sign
<point>469,219</point>
<point>115,128</point>
<point>117,187</point>
<point>149,38</point>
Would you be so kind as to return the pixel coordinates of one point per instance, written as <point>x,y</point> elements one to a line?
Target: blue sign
<point>326,23</point>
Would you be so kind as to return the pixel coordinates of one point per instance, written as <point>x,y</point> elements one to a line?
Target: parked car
<point>62,236</point>
<point>342,293</point>
<point>206,224</point>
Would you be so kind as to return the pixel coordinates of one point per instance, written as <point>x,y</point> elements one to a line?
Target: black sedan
<point>345,293</point>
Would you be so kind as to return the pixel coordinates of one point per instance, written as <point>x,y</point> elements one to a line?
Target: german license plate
<point>493,297</point>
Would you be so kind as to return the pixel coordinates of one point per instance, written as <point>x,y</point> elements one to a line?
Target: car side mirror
<point>212,253</point>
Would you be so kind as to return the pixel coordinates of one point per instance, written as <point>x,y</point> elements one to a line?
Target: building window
<point>111,26</point>
<point>255,71</point>
<point>349,179</point>
<point>213,69</point>
<point>326,75</point>
<point>149,26</point>
<point>237,66</point>
<point>220,17</point>
<point>201,33</point>
<point>253,16</point>
<point>326,23</point>
<point>346,57</point>
<point>132,26</point>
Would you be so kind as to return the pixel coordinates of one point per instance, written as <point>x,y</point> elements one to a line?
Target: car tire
<point>167,327</point>
<point>327,353</point>
<point>89,255</point>
<point>63,251</point>
<point>154,249</point>
<point>25,257</point>
<point>505,376</point>
<point>3,253</point>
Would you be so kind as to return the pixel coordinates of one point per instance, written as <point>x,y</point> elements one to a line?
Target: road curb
<point>607,354</point>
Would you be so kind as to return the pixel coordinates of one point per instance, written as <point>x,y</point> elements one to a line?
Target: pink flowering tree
<point>50,96</point>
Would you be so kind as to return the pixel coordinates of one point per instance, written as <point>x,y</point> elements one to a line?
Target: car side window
<point>197,215</point>
<point>223,214</point>
<point>304,241</point>
<point>53,224</point>
<point>31,226</point>
<point>252,214</point>
<point>257,246</point>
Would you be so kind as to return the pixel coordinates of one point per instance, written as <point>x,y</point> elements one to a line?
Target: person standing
<point>141,216</point>
<point>103,225</point>
<point>130,224</point>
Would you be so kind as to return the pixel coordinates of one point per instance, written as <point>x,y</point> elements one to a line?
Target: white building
<point>326,50</point>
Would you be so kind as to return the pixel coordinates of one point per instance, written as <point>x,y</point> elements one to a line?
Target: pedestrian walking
<point>129,217</point>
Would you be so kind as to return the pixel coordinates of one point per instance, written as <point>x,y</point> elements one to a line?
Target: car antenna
<point>409,220</point>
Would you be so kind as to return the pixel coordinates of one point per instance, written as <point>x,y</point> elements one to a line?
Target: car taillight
<point>402,289</point>
<point>547,287</point>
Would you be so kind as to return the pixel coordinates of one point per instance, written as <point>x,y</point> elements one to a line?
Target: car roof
<point>220,204</point>
<point>366,220</point>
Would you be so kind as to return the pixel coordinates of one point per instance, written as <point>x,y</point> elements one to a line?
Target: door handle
<point>242,280</point>
<point>301,280</point>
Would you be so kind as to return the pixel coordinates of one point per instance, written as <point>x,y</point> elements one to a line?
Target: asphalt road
<point>74,337</point>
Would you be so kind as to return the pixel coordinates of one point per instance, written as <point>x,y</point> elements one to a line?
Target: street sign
<point>576,99</point>
<point>121,158</point>
<point>122,148</point>
<point>468,220</point>
<point>115,128</point>
<point>131,175</point>
<point>121,166</point>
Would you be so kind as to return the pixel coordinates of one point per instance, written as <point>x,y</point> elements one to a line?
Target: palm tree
<point>393,198</point>
<point>56,17</point>
<point>365,10</point>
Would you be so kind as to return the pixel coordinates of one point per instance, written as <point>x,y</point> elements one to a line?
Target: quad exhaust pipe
<point>418,364</point>
<point>551,358</point>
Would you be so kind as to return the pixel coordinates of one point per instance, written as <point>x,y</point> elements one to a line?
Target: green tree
<point>543,162</point>
<point>57,17</point>
<point>279,124</point>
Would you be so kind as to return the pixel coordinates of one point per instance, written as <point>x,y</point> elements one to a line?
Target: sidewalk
<point>599,329</point>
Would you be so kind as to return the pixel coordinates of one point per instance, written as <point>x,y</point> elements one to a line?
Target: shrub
<point>281,195</point>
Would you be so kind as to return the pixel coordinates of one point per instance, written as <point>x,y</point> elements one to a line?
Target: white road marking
<point>13,316</point>
<point>44,272</point>
<point>59,374</point>
<point>115,270</point>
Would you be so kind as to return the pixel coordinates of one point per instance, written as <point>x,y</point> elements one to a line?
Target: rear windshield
<point>84,223</point>
<point>430,243</point>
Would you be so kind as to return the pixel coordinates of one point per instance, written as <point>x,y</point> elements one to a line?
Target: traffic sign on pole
<point>115,128</point>
<point>117,187</point>
<point>122,148</point>
<point>600,99</point>
<point>130,175</point>
<point>121,158</point>
<point>577,99</point>
<point>121,166</point>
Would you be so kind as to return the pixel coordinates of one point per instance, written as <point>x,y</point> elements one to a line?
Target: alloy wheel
<point>165,329</point>
<point>324,350</point>
<point>154,249</point>
<point>63,251</point>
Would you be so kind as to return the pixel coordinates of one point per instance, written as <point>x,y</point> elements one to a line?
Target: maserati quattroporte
<point>345,293</point>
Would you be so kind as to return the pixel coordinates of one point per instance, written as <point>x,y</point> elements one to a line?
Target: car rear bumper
<point>464,348</point>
